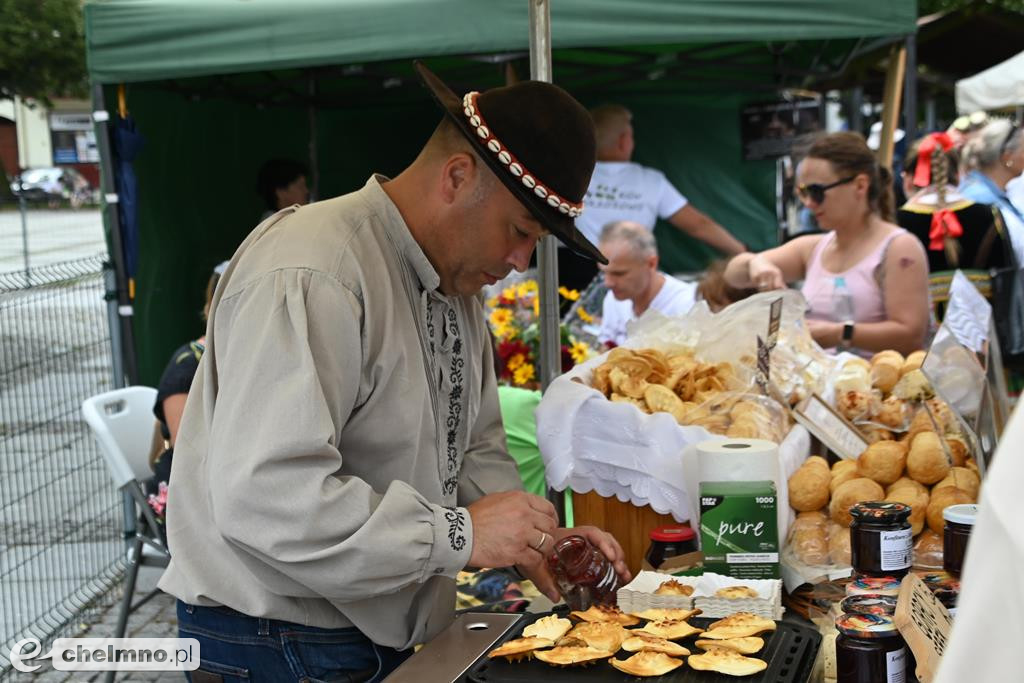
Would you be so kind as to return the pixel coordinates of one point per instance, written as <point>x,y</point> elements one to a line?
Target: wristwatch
<point>847,336</point>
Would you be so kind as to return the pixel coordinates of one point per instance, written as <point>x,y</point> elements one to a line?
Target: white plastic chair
<point>122,422</point>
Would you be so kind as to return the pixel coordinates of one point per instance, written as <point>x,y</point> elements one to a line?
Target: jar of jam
<point>881,542</point>
<point>869,649</point>
<point>869,603</point>
<point>670,541</point>
<point>873,585</point>
<point>583,574</point>
<point>956,533</point>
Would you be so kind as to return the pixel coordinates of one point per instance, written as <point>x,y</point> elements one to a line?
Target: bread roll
<point>928,550</point>
<point>808,487</point>
<point>890,356</point>
<point>921,423</point>
<point>816,460</point>
<point>857,405</point>
<point>883,462</point>
<point>942,413</point>
<point>839,545</point>
<point>874,434</point>
<point>942,499</point>
<point>957,449</point>
<point>850,492</point>
<point>918,502</point>
<point>810,544</point>
<point>906,482</point>
<point>961,478</point>
<point>913,362</point>
<point>927,462</point>
<point>842,476</point>
<point>893,413</point>
<point>843,465</point>
<point>884,374</point>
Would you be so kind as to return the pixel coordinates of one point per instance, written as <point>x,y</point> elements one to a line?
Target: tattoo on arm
<point>905,262</point>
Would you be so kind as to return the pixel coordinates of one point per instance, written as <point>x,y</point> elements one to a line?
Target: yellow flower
<point>570,294</point>
<point>509,293</point>
<point>523,374</point>
<point>492,302</point>
<point>516,361</point>
<point>536,306</point>
<point>584,316</point>
<point>527,288</point>
<point>579,352</point>
<point>504,331</point>
<point>501,317</point>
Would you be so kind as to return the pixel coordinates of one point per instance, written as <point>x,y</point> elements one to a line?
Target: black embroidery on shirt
<point>430,324</point>
<point>454,418</point>
<point>456,524</point>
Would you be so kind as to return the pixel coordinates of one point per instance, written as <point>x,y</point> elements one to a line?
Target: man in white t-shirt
<point>623,190</point>
<point>635,285</point>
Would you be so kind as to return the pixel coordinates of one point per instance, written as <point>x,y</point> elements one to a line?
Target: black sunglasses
<point>816,191</point>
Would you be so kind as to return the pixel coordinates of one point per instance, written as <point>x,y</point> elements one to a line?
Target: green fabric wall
<point>197,176</point>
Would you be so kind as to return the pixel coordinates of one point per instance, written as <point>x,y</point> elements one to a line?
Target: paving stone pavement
<point>156,619</point>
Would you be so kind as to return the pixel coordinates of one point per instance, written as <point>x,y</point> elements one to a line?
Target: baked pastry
<point>942,499</point>
<point>906,482</point>
<point>647,664</point>
<point>893,413</point>
<point>957,449</point>
<point>928,550</point>
<point>874,433</point>
<point>809,487</point>
<point>839,549</point>
<point>673,587</point>
<point>882,462</point>
<point>918,502</point>
<point>670,630</point>
<point>888,356</point>
<point>738,625</point>
<point>922,422</point>
<point>927,461</point>
<point>885,373</point>
<point>519,648</point>
<point>736,592</point>
<point>816,460</point>
<point>571,656</point>
<point>645,642</point>
<point>942,413</point>
<point>666,614</point>
<point>962,478</point>
<point>855,375</point>
<point>599,635</point>
<point>857,405</point>
<point>808,538</point>
<point>551,627</point>
<point>850,492</point>
<point>913,362</point>
<point>605,614</point>
<point>913,386</point>
<point>745,646</point>
<point>727,662</point>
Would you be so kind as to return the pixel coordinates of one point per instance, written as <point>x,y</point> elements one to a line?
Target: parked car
<point>52,185</point>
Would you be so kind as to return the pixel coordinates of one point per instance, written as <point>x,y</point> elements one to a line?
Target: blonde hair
<point>610,120</point>
<point>985,147</point>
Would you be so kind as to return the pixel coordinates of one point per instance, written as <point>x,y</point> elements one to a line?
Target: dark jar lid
<point>867,626</point>
<point>880,512</point>
<point>869,603</point>
<point>672,534</point>
<point>961,514</point>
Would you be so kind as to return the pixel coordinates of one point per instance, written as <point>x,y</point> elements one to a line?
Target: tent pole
<point>910,91</point>
<point>547,251</point>
<point>891,102</point>
<point>122,335</point>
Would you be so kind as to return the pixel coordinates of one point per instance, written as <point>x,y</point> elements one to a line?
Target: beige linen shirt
<point>344,413</point>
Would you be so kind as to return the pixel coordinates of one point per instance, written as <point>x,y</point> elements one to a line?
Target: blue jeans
<point>236,647</point>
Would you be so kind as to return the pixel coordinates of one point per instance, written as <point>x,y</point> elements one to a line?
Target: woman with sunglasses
<point>881,266</point>
<point>994,156</point>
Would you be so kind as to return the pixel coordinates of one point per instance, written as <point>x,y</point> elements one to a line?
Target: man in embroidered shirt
<point>635,285</point>
<point>623,190</point>
<point>341,456</point>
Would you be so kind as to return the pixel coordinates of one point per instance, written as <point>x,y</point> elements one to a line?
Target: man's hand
<point>511,528</point>
<point>537,570</point>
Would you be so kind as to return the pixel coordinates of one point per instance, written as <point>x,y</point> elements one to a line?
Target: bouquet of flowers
<point>514,316</point>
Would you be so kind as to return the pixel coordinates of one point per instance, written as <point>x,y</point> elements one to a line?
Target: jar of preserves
<point>957,531</point>
<point>583,574</point>
<point>869,603</point>
<point>670,541</point>
<point>873,585</point>
<point>881,542</point>
<point>869,649</point>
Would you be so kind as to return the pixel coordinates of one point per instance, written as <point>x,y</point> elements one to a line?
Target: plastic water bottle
<point>842,301</point>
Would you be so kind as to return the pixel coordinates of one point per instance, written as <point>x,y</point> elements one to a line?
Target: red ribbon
<point>944,223</point>
<point>923,170</point>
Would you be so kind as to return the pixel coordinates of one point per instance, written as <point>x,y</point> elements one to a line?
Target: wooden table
<point>628,523</point>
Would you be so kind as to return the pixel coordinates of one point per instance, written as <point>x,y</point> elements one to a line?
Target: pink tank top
<point>863,281</point>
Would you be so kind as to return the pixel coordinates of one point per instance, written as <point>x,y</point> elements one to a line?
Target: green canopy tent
<point>219,86</point>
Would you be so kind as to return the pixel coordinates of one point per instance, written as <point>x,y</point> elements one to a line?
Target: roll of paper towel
<point>736,460</point>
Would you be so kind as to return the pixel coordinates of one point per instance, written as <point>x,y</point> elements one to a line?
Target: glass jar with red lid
<point>670,541</point>
<point>869,649</point>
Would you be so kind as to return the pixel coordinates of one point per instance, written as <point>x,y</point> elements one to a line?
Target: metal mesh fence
<point>61,520</point>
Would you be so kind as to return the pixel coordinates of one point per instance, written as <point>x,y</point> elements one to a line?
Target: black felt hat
<point>540,143</point>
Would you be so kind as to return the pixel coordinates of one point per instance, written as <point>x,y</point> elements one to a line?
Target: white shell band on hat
<point>514,166</point>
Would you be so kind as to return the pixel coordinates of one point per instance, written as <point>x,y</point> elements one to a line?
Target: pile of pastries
<point>916,470</point>
<point>709,395</point>
<point>652,636</point>
<point>880,395</point>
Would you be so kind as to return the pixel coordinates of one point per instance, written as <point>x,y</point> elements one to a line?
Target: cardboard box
<point>739,528</point>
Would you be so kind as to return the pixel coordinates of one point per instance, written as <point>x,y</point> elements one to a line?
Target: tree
<point>42,49</point>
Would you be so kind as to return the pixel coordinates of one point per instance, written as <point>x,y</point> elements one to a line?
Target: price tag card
<point>831,428</point>
<point>924,623</point>
<point>968,313</point>
<point>774,322</point>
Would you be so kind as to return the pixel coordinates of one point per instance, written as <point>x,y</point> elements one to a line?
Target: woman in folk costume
<point>956,232</point>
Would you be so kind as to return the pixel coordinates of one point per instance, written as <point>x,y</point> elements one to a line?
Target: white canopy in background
<point>998,87</point>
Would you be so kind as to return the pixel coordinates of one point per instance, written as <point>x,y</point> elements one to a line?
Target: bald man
<point>623,190</point>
